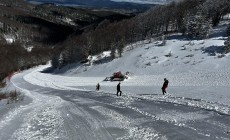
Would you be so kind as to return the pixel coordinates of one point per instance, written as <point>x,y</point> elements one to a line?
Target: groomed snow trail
<point>48,114</point>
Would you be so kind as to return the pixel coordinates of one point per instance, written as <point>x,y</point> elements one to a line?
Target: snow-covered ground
<point>198,74</point>
<point>63,104</point>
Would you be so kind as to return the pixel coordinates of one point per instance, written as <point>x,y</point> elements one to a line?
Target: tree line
<point>13,58</point>
<point>194,18</point>
<point>17,55</point>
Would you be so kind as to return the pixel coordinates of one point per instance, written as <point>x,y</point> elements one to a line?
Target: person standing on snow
<point>98,87</point>
<point>119,88</point>
<point>165,85</point>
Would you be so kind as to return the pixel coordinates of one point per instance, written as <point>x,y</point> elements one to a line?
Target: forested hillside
<point>193,18</point>
<point>30,34</point>
<point>33,34</point>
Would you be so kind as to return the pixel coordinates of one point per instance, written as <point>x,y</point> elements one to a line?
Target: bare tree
<point>217,9</point>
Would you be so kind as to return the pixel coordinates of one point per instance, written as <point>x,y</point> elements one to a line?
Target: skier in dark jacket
<point>119,88</point>
<point>165,85</point>
<point>98,87</point>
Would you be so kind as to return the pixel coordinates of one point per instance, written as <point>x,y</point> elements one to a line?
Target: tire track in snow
<point>41,119</point>
<point>84,124</point>
<point>218,125</point>
<point>50,117</point>
<point>106,110</point>
<point>133,126</point>
<point>134,132</point>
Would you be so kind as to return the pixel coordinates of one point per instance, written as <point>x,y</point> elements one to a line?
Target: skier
<point>98,87</point>
<point>165,85</point>
<point>119,88</point>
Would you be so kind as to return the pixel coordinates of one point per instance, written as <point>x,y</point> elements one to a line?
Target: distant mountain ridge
<point>113,4</point>
<point>102,2</point>
<point>145,1</point>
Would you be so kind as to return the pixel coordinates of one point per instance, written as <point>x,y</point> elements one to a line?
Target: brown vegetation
<point>2,84</point>
<point>12,96</point>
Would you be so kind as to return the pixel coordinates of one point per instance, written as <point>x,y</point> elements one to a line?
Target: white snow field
<point>63,104</point>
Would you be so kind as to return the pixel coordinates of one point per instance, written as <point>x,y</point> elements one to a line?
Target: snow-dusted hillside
<point>198,73</point>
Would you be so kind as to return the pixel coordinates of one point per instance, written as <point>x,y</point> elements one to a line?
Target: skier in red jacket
<point>165,85</point>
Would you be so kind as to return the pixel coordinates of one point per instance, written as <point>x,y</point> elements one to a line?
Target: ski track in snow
<point>134,132</point>
<point>41,118</point>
